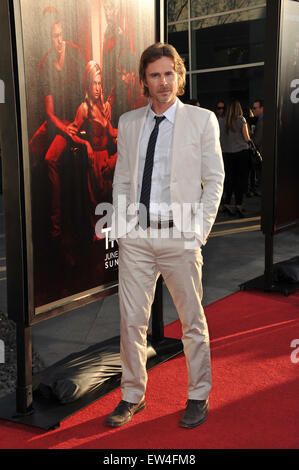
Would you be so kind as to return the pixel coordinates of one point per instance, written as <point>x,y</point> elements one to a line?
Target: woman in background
<point>237,158</point>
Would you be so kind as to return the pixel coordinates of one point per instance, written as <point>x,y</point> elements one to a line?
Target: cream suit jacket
<point>197,171</point>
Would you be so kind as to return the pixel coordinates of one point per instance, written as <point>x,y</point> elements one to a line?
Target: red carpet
<point>253,404</point>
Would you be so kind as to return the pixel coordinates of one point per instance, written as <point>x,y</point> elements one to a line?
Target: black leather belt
<point>162,224</point>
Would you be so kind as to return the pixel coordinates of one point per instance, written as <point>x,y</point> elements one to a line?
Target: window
<point>225,35</point>
<point>178,37</point>
<point>208,7</point>
<point>227,40</point>
<point>244,84</point>
<point>177,10</point>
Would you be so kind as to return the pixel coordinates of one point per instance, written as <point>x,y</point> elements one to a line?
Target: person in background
<point>220,109</point>
<point>252,168</point>
<point>237,158</point>
<point>220,113</point>
<point>257,137</point>
<point>251,121</point>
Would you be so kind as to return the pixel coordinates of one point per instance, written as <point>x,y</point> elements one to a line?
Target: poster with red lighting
<point>81,73</point>
<point>286,214</point>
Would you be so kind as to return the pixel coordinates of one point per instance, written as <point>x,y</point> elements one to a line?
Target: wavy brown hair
<point>155,52</point>
<point>234,111</point>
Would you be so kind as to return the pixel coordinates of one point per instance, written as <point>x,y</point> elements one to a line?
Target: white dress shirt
<point>160,188</point>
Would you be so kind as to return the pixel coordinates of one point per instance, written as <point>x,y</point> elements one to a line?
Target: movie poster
<point>287,194</point>
<point>81,71</point>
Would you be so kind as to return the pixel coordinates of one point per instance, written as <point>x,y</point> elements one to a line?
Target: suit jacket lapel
<point>139,124</point>
<point>179,124</point>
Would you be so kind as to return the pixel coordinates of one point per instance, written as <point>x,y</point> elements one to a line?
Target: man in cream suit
<point>170,168</point>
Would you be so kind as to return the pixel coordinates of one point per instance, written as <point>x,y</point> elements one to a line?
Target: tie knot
<point>159,119</point>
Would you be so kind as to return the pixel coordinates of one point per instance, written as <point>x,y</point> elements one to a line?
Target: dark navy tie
<point>147,173</point>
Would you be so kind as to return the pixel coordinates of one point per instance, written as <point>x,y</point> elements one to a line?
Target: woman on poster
<point>95,132</point>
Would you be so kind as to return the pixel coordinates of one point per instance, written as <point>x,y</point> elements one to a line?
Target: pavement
<point>234,254</point>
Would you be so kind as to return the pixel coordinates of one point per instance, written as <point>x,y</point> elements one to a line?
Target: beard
<point>164,98</point>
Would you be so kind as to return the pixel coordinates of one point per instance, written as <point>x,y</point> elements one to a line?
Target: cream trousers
<point>141,260</point>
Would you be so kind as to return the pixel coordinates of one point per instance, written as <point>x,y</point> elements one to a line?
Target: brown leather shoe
<point>124,412</point>
<point>195,413</point>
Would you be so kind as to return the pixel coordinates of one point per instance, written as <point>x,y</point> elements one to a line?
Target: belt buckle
<point>165,224</point>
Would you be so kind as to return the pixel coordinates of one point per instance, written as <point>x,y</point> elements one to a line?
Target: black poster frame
<point>13,181</point>
<point>272,103</point>
<point>18,234</point>
<point>16,176</point>
<point>272,91</point>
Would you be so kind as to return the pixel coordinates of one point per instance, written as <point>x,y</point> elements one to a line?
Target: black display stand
<point>28,408</point>
<point>259,284</point>
<point>267,282</point>
<point>46,412</point>
<point>280,195</point>
<point>25,407</point>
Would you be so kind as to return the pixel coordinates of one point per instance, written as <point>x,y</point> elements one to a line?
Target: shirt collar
<point>169,113</point>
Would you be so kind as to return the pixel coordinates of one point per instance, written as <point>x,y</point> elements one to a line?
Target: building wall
<point>222,42</point>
